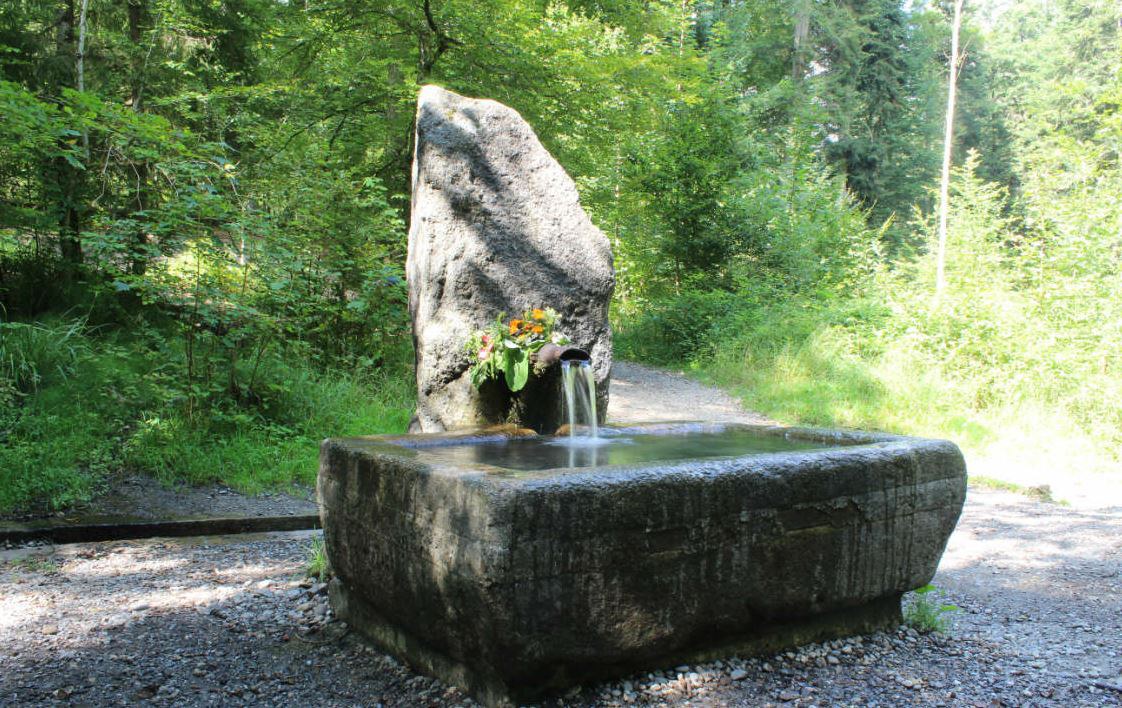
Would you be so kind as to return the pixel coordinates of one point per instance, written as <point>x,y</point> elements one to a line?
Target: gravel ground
<point>145,499</point>
<point>231,620</point>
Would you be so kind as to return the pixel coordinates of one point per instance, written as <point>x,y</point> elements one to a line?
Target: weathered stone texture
<point>510,585</point>
<point>496,227</point>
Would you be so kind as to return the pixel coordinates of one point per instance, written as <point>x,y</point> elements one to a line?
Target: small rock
<point>738,675</point>
<point>49,629</point>
<point>788,696</point>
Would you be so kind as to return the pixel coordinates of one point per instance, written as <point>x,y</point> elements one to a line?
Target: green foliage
<point>33,354</point>
<point>677,329</point>
<point>992,365</point>
<point>924,612</point>
<point>122,404</point>
<point>317,565</point>
<point>276,442</point>
<point>504,349</point>
<point>223,206</point>
<point>686,172</point>
<point>59,439</point>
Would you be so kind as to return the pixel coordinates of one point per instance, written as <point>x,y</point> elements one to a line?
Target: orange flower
<point>515,325</point>
<point>537,329</point>
<point>538,314</point>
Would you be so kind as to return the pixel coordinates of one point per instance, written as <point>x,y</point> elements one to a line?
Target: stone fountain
<point>499,561</point>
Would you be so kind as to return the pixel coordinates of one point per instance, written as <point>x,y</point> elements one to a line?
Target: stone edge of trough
<point>120,531</point>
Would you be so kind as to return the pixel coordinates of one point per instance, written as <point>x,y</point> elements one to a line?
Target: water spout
<point>552,353</point>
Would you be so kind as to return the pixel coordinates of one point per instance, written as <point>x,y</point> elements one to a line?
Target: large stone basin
<point>497,562</point>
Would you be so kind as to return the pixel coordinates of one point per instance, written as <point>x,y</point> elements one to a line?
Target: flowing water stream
<point>579,385</point>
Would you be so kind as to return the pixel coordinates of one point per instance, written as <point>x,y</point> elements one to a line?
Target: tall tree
<point>953,62</point>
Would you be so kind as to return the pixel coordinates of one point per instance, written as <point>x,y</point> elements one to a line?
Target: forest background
<point>204,210</point>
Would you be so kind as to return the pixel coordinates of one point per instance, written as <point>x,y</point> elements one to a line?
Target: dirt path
<point>230,621</point>
<point>641,394</point>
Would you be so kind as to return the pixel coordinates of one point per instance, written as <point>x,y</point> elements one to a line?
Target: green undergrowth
<point>79,403</point>
<point>1016,360</point>
<point>1042,492</point>
<point>992,381</point>
<point>925,612</point>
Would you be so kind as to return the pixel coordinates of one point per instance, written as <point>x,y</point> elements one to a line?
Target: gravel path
<point>231,621</point>
<point>642,394</point>
<point>141,498</point>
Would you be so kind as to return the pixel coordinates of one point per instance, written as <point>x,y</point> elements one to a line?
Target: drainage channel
<point>119,530</point>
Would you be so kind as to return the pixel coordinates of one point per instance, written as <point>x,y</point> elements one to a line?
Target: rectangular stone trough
<point>513,567</point>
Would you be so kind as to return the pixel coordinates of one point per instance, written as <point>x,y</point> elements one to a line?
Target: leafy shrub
<point>924,612</point>
<point>682,329</point>
<point>317,564</point>
<point>31,354</point>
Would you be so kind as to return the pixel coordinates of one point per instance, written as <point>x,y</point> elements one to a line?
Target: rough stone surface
<point>510,584</point>
<point>496,227</point>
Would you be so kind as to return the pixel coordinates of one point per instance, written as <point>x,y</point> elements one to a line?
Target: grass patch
<point>60,437</point>
<point>252,455</point>
<point>317,566</point>
<point>925,612</point>
<point>1040,492</point>
<point>977,372</point>
<point>112,400</point>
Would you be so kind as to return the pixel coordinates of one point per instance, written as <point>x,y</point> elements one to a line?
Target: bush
<point>682,329</point>
<point>97,403</point>
<point>31,354</point>
<point>276,442</point>
<point>924,612</point>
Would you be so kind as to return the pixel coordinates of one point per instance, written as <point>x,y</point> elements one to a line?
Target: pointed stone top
<point>496,227</point>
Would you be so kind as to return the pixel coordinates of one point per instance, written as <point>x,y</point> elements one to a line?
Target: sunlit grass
<point>1016,402</point>
<point>114,408</point>
<point>260,456</point>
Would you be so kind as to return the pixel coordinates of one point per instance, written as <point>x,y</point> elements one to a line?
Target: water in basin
<point>615,448</point>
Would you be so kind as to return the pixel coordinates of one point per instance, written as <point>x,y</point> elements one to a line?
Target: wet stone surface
<point>187,623</point>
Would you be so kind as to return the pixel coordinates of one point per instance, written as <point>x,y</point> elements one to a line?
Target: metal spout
<point>550,354</point>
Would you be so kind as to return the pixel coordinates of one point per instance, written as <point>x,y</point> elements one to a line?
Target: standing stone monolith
<point>496,227</point>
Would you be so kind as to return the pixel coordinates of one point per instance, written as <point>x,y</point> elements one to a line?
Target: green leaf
<point>517,369</point>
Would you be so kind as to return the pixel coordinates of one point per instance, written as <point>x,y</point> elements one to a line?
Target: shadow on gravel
<point>250,647</point>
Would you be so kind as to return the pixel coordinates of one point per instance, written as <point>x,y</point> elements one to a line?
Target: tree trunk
<point>137,12</point>
<point>802,30</point>
<point>80,69</point>
<point>67,177</point>
<point>948,137</point>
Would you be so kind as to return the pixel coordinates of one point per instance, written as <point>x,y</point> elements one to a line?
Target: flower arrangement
<point>506,346</point>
